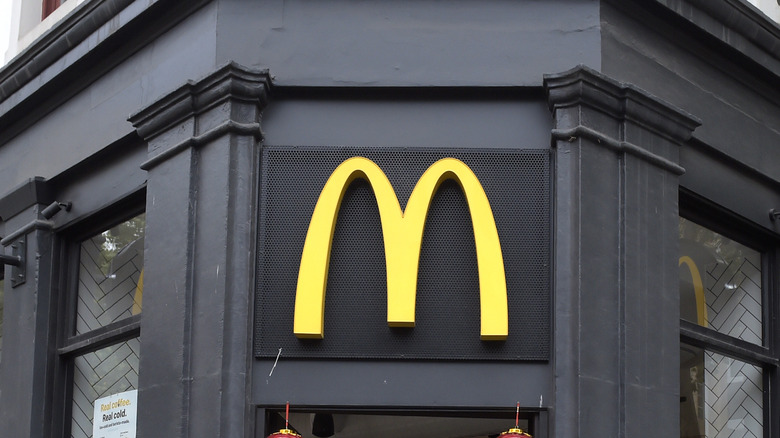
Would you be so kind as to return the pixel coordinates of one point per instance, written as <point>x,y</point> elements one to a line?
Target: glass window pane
<point>719,396</point>
<point>720,283</point>
<point>108,371</point>
<point>111,275</point>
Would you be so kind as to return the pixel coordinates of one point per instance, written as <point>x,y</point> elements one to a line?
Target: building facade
<point>558,215</point>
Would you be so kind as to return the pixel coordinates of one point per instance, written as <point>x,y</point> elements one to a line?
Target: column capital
<point>229,100</point>
<point>583,86</point>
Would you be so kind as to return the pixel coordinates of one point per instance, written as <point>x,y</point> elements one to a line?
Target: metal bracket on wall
<point>17,261</point>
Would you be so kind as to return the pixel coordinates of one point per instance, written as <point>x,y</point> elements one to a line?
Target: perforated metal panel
<point>517,183</point>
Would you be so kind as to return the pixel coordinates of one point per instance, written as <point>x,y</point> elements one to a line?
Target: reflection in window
<point>720,283</point>
<point>108,371</point>
<point>111,275</point>
<point>719,396</point>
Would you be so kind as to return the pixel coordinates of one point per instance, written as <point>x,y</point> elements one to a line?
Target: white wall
<point>5,28</point>
<point>770,7</point>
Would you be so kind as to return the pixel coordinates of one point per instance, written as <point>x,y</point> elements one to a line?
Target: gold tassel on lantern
<point>515,433</point>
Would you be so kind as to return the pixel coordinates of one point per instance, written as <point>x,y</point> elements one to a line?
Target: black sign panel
<point>517,184</point>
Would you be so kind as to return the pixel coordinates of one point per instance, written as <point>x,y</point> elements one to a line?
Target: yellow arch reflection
<point>698,290</point>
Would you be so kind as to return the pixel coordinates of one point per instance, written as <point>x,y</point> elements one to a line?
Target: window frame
<point>69,345</point>
<point>767,355</point>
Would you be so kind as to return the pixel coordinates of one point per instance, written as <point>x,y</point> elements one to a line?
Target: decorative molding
<point>229,126</point>
<point>583,85</point>
<point>232,82</point>
<point>621,146</point>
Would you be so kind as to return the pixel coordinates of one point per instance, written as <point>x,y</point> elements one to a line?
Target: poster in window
<point>115,416</point>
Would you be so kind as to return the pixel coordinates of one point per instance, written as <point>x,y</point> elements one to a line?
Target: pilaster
<point>29,306</point>
<point>616,343</point>
<point>202,168</point>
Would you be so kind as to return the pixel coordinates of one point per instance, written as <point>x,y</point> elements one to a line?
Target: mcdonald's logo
<point>402,234</point>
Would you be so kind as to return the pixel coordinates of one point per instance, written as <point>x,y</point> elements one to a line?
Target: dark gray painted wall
<point>432,43</point>
<point>405,122</point>
<point>735,99</point>
<point>399,384</point>
<point>333,43</point>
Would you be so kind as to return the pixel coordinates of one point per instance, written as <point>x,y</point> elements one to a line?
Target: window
<point>101,351</point>
<point>724,354</point>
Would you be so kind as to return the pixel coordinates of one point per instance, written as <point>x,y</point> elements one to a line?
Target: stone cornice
<point>735,23</point>
<point>585,86</point>
<point>231,82</point>
<point>72,30</point>
<point>77,50</point>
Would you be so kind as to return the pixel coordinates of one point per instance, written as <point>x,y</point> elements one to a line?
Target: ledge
<point>34,191</point>
<point>735,23</point>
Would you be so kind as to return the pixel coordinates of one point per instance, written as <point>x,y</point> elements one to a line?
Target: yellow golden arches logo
<point>402,232</point>
<point>698,290</point>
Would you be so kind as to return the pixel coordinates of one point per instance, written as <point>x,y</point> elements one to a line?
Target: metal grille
<point>517,183</point>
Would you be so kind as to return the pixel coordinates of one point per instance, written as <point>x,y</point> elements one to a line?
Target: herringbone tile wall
<point>734,389</point>
<point>107,285</point>
<point>107,371</point>
<point>733,296</point>
<point>733,398</point>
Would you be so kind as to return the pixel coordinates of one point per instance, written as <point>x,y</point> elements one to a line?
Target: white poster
<point>115,415</point>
